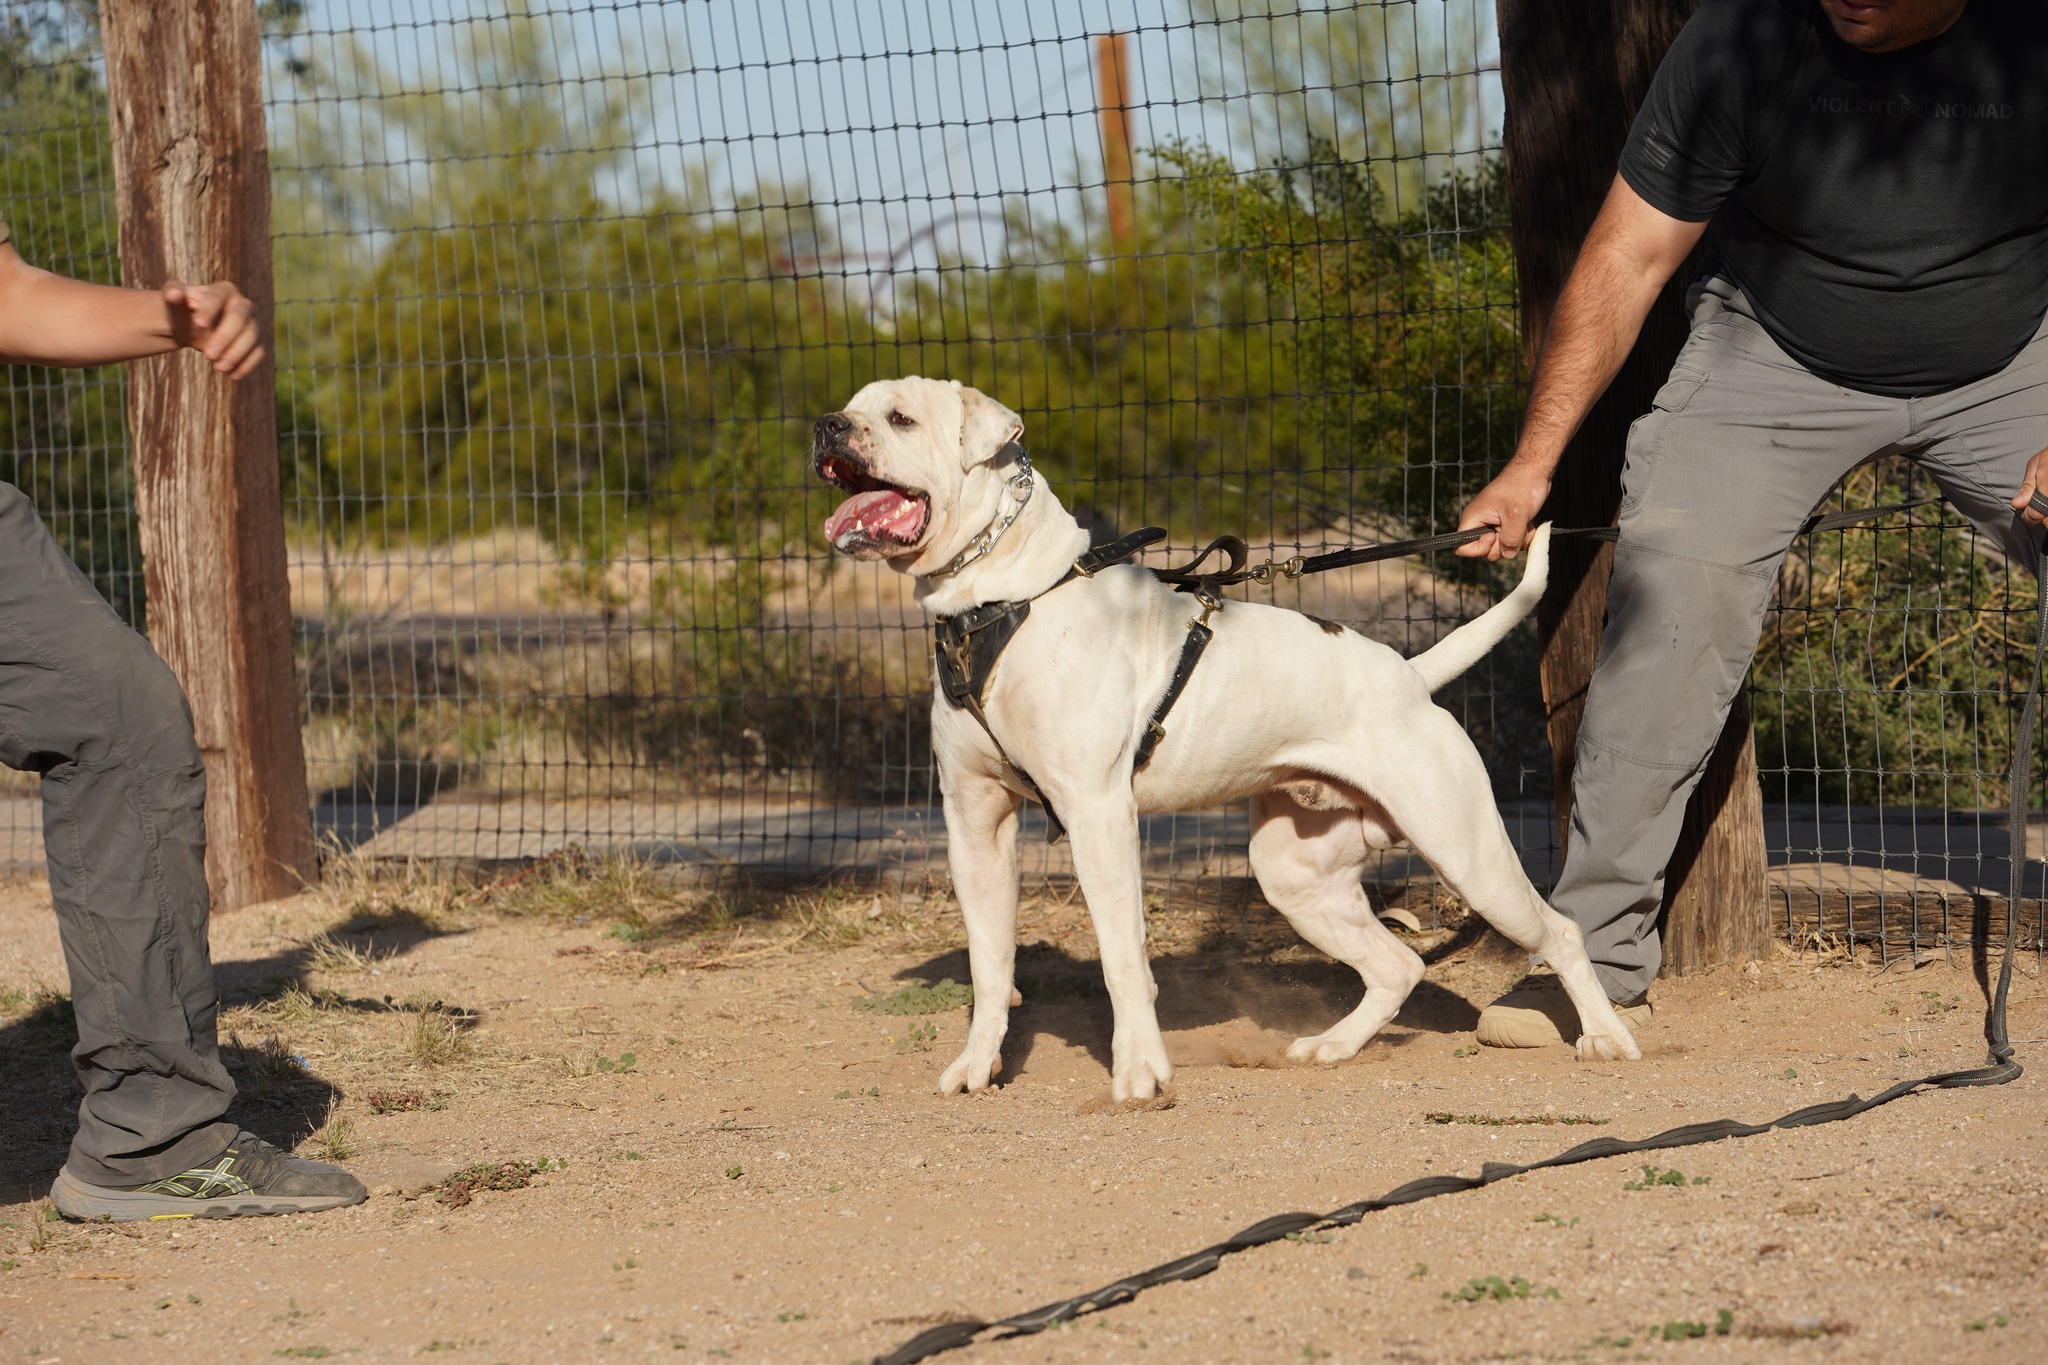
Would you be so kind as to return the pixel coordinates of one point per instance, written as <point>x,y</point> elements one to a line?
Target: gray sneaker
<point>249,1179</point>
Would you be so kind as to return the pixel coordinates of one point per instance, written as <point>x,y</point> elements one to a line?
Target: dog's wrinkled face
<point>913,454</point>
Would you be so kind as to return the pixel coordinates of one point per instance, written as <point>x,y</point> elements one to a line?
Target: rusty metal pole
<point>192,176</point>
<point>1113,103</point>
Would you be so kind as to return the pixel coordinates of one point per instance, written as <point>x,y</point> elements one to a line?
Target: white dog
<point>1333,735</point>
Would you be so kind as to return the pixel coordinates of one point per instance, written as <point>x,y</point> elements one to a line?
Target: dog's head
<point>917,457</point>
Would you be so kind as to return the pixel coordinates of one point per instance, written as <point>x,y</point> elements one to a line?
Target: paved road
<point>1835,847</point>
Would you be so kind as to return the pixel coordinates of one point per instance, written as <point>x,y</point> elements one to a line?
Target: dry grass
<point>326,953</point>
<point>336,1139</point>
<point>435,1036</point>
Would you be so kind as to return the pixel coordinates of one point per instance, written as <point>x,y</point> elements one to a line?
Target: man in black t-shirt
<point>1871,179</point>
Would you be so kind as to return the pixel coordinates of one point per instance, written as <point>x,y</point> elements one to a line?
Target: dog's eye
<point>902,423</point>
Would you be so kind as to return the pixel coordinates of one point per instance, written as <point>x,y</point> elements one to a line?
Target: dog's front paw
<point>1139,1071</point>
<point>1601,1047</point>
<point>1325,1049</point>
<point>973,1069</point>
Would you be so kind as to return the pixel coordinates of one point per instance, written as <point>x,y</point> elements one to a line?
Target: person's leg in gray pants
<point>88,704</point>
<point>1741,444</point>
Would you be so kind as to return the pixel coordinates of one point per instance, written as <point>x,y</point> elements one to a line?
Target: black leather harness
<point>967,646</point>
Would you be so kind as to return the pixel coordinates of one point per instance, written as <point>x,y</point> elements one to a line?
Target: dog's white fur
<point>1334,736</point>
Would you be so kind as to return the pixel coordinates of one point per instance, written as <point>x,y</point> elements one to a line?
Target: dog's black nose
<point>832,426</point>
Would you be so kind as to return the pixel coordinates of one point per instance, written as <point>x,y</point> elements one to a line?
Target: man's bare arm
<point>1630,252</point>
<point>47,319</point>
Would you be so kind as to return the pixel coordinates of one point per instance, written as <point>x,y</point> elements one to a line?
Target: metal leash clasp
<point>1266,572</point>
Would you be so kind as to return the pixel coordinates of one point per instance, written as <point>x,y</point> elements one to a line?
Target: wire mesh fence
<point>561,288</point>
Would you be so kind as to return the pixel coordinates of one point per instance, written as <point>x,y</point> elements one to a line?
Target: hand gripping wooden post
<point>1573,73</point>
<point>185,95</point>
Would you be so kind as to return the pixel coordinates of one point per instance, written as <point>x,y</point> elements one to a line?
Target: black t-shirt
<point>1886,214</point>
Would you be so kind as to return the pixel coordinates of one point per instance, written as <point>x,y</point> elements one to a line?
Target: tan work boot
<point>1538,1013</point>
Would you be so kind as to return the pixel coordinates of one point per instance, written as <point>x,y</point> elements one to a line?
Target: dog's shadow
<point>1065,1000</point>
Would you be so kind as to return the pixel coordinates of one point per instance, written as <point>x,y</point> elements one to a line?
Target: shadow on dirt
<point>279,1097</point>
<point>1065,1000</point>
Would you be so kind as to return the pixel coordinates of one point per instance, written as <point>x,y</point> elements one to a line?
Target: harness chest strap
<point>965,649</point>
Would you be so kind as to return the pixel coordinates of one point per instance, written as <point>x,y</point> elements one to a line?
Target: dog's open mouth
<point>879,514</point>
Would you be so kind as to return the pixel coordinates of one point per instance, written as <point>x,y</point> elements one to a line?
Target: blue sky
<point>894,114</point>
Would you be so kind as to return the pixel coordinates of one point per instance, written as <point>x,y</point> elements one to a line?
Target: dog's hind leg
<point>1309,864</point>
<point>1443,804</point>
<point>981,847</point>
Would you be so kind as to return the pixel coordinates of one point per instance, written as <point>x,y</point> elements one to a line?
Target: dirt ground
<point>743,1165</point>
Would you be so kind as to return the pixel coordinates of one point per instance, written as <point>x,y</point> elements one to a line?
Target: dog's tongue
<point>883,513</point>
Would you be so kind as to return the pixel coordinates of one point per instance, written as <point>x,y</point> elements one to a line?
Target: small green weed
<point>1789,1074</point>
<point>843,1095</point>
<point>1494,1288</point>
<point>620,1065</point>
<point>919,1037</point>
<point>1652,1178</point>
<point>1553,1218</point>
<point>1421,1271</point>
<point>944,994</point>
<point>791,1317</point>
<point>1311,1236</point>
<point>735,1172</point>
<point>1979,1324</point>
<point>623,1266</point>
<point>303,1352</point>
<point>1724,1322</point>
<point>1471,1051</point>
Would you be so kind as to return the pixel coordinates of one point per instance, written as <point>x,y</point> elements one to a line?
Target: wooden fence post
<point>1573,73</point>
<point>192,175</point>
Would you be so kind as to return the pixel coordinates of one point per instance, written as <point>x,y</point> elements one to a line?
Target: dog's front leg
<point>1105,834</point>
<point>981,847</point>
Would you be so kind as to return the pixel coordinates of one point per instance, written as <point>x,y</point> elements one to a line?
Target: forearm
<point>46,319</point>
<point>1599,314</point>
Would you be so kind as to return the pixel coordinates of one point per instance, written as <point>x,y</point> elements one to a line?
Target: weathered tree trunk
<point>184,88</point>
<point>1574,73</point>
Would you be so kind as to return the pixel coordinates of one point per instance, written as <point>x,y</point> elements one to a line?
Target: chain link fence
<point>562,286</point>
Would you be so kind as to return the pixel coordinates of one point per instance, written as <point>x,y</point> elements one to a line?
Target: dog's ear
<point>986,426</point>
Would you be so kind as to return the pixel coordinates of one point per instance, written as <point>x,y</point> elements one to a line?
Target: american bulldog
<point>1332,735</point>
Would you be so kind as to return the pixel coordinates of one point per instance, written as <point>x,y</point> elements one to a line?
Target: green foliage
<point>63,433</point>
<point>1893,673</point>
<point>1492,1288</point>
<point>1402,331</point>
<point>942,995</point>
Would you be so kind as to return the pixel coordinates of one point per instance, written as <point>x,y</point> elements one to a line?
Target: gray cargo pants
<point>1741,444</point>
<point>88,704</point>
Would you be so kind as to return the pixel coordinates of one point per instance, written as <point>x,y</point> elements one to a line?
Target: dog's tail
<point>1468,644</point>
